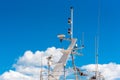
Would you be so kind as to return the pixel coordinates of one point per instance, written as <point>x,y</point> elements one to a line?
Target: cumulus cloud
<point>28,66</point>
<point>14,75</point>
<point>34,59</point>
<point>110,71</point>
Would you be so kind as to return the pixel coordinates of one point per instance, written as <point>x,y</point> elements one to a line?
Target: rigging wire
<point>98,23</point>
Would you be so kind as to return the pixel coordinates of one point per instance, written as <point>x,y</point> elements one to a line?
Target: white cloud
<point>110,71</point>
<point>34,59</point>
<point>14,75</point>
<point>28,66</point>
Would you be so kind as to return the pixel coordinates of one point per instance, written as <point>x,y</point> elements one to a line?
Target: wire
<point>98,26</point>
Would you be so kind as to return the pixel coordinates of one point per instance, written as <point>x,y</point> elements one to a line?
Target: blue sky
<point>34,25</point>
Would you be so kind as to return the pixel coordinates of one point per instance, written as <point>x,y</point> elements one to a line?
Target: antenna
<point>82,42</point>
<point>97,39</point>
<point>96,56</point>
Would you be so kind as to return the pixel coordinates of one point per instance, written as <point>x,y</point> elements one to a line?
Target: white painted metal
<point>58,70</point>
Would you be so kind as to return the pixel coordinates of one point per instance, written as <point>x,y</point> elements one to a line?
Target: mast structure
<point>72,48</point>
<point>60,66</point>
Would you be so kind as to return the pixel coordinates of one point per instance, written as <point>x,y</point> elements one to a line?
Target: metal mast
<point>71,35</point>
<point>61,64</point>
<point>71,9</point>
<point>57,71</point>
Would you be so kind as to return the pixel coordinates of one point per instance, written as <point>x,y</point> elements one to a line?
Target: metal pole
<point>64,72</point>
<point>96,56</point>
<point>74,67</point>
<point>71,10</point>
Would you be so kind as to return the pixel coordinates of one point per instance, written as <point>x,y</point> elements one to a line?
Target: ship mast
<point>71,26</point>
<point>57,71</point>
<point>71,10</point>
<point>72,48</point>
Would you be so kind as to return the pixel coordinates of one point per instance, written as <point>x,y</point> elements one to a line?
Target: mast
<point>72,48</point>
<point>70,22</point>
<point>71,36</point>
<point>62,62</point>
<point>71,9</point>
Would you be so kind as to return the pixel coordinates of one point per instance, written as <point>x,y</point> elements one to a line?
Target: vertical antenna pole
<point>97,39</point>
<point>71,10</point>
<point>96,56</point>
